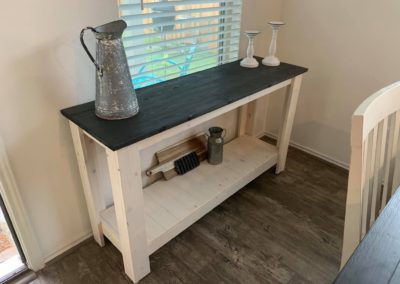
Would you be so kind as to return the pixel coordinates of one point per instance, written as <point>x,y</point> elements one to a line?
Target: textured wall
<point>352,50</point>
<point>43,69</point>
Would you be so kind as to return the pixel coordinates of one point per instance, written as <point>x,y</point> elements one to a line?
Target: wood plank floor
<point>278,229</point>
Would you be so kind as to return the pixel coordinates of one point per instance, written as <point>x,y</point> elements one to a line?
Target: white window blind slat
<point>168,39</point>
<point>180,66</point>
<point>131,5</point>
<point>180,48</point>
<point>166,23</point>
<point>230,25</point>
<point>182,13</point>
<point>200,53</point>
<point>151,80</point>
<point>161,43</point>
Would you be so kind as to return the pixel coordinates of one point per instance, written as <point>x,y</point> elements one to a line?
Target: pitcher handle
<point>99,70</point>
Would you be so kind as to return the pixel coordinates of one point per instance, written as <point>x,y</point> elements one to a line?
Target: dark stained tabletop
<point>168,104</point>
<point>377,259</point>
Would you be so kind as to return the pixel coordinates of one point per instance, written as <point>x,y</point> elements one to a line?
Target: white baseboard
<point>53,255</point>
<point>312,152</point>
<point>261,134</point>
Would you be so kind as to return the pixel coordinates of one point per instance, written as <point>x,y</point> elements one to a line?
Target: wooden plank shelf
<point>172,206</point>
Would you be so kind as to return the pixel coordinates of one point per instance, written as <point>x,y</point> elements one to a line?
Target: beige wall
<point>352,49</point>
<point>255,16</point>
<point>44,69</point>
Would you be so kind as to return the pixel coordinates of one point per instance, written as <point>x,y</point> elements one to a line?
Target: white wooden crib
<point>374,166</point>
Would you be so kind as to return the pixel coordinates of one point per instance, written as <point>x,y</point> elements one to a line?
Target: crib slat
<point>370,176</point>
<point>365,184</point>
<point>396,154</point>
<point>395,126</point>
<point>377,173</point>
<point>387,176</point>
<point>385,129</point>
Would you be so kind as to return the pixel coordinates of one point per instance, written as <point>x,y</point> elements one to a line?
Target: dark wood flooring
<point>278,229</point>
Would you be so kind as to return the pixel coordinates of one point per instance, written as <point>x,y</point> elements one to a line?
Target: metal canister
<point>215,145</point>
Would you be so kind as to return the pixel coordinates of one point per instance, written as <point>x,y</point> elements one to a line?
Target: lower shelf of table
<point>172,206</point>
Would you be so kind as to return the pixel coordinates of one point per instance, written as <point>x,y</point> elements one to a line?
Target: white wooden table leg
<point>251,118</point>
<point>93,200</point>
<point>126,179</point>
<point>242,120</point>
<point>289,111</point>
<point>258,117</point>
<point>247,119</point>
<point>96,163</point>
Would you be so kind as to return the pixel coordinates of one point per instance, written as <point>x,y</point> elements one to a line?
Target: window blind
<point>167,39</point>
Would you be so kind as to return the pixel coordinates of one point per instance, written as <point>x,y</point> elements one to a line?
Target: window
<point>12,259</point>
<point>168,39</point>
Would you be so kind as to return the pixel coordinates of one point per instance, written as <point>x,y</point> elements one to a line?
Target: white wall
<point>255,16</point>
<point>44,69</point>
<point>352,49</point>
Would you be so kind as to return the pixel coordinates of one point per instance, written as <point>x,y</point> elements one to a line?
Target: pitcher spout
<point>111,30</point>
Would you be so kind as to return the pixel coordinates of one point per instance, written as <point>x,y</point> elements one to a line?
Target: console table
<point>141,220</point>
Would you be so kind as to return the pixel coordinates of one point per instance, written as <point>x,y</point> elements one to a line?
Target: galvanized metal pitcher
<point>115,95</point>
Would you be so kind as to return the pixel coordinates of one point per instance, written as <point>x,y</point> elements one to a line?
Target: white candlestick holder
<point>250,61</point>
<point>271,59</point>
